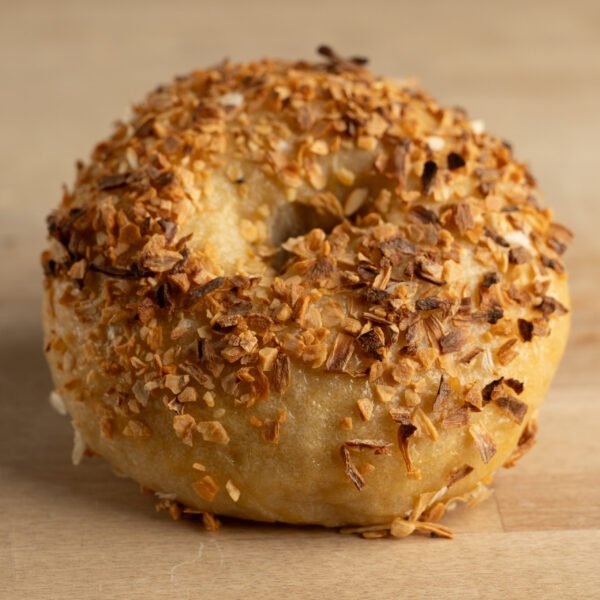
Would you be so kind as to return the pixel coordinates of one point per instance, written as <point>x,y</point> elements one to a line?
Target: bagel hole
<point>295,219</point>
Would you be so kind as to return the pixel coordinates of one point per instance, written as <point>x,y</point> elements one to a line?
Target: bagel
<point>298,292</point>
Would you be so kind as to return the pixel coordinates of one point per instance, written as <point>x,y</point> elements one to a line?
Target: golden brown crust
<point>311,282</point>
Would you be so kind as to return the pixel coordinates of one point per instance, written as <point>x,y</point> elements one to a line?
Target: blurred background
<point>69,68</point>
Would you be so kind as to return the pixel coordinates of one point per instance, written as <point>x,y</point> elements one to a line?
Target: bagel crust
<point>302,293</point>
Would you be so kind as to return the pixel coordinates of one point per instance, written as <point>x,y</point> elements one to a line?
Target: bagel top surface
<point>254,223</point>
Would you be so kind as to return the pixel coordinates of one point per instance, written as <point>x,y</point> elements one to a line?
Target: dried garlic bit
<point>271,431</point>
<point>188,395</point>
<point>209,399</point>
<point>206,488</point>
<point>234,99</point>
<point>346,423</point>
<point>255,421</point>
<point>355,200</point>
<point>232,490</point>
<point>457,474</point>
<point>401,528</point>
<point>526,442</point>
<point>168,502</point>
<point>345,176</point>
<point>79,446</point>
<point>435,143</point>
<point>136,429</point>
<point>248,230</point>
<point>481,493</point>
<point>434,529</point>
<point>365,529</point>
<point>267,358</point>
<point>436,512</point>
<point>213,431</point>
<point>210,522</point>
<point>184,426</point>
<point>477,126</point>
<point>320,147</point>
<point>374,535</point>
<point>57,403</point>
<point>411,398</point>
<point>384,393</point>
<point>176,383</point>
<point>425,424</point>
<point>484,442</point>
<point>365,407</point>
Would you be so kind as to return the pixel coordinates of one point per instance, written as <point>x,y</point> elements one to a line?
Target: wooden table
<point>531,70</point>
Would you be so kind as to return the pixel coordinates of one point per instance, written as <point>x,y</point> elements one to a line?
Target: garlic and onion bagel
<point>299,292</point>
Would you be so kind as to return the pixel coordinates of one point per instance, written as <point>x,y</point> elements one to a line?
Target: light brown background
<point>67,69</point>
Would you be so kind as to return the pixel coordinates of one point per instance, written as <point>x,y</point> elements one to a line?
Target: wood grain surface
<point>531,70</point>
